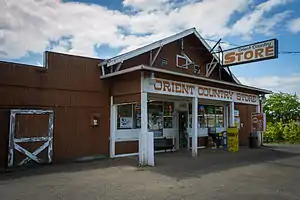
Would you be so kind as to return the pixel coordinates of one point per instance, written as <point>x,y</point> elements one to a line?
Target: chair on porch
<point>163,144</point>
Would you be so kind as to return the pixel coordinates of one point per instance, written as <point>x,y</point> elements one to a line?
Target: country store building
<point>77,107</point>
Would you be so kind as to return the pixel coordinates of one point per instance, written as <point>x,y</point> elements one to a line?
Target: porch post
<point>258,109</point>
<point>112,127</point>
<point>231,107</point>
<point>143,160</point>
<point>226,116</point>
<point>195,126</point>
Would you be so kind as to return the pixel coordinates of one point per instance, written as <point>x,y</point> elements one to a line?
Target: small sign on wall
<point>236,113</point>
<point>181,106</point>
<point>125,122</point>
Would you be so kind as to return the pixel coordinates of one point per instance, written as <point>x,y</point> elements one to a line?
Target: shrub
<point>278,132</point>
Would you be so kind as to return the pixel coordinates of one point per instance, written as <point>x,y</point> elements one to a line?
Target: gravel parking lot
<point>268,173</point>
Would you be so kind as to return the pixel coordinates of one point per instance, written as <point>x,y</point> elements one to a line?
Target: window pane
<point>190,108</point>
<point>201,109</point>
<point>168,108</point>
<point>137,116</point>
<point>210,109</point>
<point>168,114</point>
<point>168,122</point>
<point>219,110</point>
<point>124,117</point>
<point>203,121</point>
<point>155,116</point>
<point>219,116</point>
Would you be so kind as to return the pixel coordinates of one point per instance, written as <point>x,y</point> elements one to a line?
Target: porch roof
<point>153,69</point>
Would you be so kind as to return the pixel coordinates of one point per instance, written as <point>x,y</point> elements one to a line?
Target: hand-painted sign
<point>176,88</point>
<point>251,53</point>
<point>258,122</point>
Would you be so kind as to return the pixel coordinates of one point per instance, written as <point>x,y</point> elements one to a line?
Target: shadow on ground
<point>179,165</point>
<point>35,170</point>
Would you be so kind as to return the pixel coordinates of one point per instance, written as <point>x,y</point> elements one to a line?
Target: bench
<point>163,144</point>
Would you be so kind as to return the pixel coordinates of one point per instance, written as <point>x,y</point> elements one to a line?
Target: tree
<point>282,106</point>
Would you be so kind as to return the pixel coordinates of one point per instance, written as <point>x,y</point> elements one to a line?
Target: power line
<point>231,44</point>
<point>289,52</point>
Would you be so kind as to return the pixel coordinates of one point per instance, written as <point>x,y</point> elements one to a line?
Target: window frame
<point>133,104</point>
<point>186,62</point>
<point>117,114</point>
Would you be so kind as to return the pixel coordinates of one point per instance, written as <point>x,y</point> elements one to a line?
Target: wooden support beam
<point>118,66</point>
<point>155,56</point>
<point>34,154</point>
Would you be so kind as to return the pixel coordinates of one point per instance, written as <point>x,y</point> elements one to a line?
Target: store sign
<point>251,53</point>
<point>258,122</point>
<point>176,88</point>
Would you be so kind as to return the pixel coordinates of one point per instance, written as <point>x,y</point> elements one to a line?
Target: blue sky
<point>105,28</point>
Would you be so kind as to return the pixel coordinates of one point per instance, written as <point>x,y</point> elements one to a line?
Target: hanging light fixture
<point>152,78</point>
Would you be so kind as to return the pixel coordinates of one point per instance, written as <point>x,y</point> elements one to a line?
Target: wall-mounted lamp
<point>95,119</point>
<point>152,79</point>
<point>262,97</point>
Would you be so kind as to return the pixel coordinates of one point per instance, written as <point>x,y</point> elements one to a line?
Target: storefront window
<point>202,120</point>
<point>129,116</point>
<point>155,118</point>
<point>209,116</point>
<point>168,114</point>
<point>124,117</point>
<point>160,116</point>
<point>219,116</point>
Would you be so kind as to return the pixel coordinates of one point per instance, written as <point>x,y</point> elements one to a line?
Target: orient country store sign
<point>251,53</point>
<point>191,90</point>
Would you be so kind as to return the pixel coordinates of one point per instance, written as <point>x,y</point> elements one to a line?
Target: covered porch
<point>183,113</point>
<point>185,122</point>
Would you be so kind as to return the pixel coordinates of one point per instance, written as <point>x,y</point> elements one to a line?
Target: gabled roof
<point>159,43</point>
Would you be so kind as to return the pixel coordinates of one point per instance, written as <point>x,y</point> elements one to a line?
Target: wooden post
<point>231,107</point>
<point>143,154</point>
<point>195,127</point>
<point>112,127</point>
<point>226,116</point>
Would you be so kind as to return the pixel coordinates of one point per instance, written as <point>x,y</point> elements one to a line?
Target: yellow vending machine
<point>233,134</point>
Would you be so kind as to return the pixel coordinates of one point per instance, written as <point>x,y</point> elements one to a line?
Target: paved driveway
<point>248,174</point>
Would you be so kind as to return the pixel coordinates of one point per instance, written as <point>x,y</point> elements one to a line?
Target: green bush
<point>280,132</point>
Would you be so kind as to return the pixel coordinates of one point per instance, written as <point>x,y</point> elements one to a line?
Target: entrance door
<point>183,120</point>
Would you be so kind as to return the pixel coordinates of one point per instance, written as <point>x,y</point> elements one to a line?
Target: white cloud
<point>289,84</point>
<point>255,20</point>
<point>266,26</point>
<point>294,25</point>
<point>33,25</point>
<point>144,4</point>
<point>30,26</point>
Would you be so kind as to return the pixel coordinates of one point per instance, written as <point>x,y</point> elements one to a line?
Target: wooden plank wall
<point>71,86</point>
